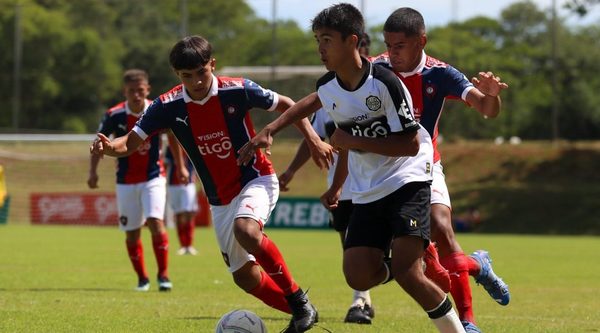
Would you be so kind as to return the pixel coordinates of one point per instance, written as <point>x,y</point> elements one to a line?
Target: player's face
<point>405,52</point>
<point>136,92</point>
<point>334,50</point>
<point>197,81</point>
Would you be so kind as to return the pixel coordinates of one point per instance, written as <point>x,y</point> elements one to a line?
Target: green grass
<point>79,279</point>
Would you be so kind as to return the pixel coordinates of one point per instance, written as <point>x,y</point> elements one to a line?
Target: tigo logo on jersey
<point>221,148</point>
<point>376,129</point>
<point>144,148</point>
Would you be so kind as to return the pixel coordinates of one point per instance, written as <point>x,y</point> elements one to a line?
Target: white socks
<point>361,298</point>
<point>444,317</point>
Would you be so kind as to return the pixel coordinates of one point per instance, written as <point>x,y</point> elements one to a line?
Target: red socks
<point>473,266</point>
<point>160,243</point>
<point>136,256</point>
<point>185,232</point>
<point>271,260</point>
<point>434,270</point>
<point>457,264</point>
<point>268,292</point>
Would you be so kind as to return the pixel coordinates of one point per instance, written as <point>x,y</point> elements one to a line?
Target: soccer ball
<point>240,321</point>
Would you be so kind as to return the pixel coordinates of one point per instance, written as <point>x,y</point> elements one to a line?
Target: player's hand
<point>92,181</point>
<point>262,140</point>
<point>322,154</point>
<point>284,180</point>
<point>100,144</point>
<point>182,174</point>
<point>489,84</point>
<point>330,198</point>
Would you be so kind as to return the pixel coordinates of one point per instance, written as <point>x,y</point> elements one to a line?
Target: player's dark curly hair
<point>191,52</point>
<point>406,20</point>
<point>343,18</point>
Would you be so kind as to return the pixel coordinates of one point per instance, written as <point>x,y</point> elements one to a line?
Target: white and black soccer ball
<point>240,321</point>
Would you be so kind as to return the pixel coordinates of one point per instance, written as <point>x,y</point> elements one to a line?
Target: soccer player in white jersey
<point>389,163</point>
<point>210,117</point>
<point>141,184</point>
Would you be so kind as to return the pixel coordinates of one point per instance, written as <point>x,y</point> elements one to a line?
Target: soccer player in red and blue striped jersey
<point>209,116</point>
<point>141,184</point>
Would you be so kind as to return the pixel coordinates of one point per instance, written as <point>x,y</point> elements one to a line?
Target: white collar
<point>214,90</point>
<point>137,115</point>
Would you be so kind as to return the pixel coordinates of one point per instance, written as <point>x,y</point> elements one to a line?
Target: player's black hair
<point>406,20</point>
<point>343,18</point>
<point>191,52</point>
<point>135,75</point>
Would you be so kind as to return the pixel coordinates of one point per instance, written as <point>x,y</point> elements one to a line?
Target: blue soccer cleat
<point>494,285</point>
<point>470,327</point>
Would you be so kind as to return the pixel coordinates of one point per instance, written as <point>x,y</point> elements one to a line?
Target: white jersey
<point>380,106</point>
<point>324,127</point>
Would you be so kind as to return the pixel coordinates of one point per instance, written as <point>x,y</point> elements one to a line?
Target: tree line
<point>72,55</point>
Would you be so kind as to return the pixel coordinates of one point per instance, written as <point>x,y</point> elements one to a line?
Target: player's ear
<point>423,40</point>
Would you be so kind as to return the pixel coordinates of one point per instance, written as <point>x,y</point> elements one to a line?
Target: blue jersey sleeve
<point>154,119</point>
<point>456,82</point>
<point>259,97</point>
<point>107,125</point>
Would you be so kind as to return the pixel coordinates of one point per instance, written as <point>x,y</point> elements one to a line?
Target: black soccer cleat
<point>357,315</point>
<point>304,314</point>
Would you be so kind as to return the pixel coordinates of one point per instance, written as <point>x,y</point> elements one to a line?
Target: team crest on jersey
<point>373,103</point>
<point>430,90</point>
<point>230,110</point>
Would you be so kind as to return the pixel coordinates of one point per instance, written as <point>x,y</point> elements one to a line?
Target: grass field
<point>79,279</point>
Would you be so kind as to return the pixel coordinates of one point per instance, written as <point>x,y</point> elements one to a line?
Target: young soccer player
<point>182,198</point>
<point>209,116</point>
<point>389,164</point>
<point>430,82</point>
<point>141,185</point>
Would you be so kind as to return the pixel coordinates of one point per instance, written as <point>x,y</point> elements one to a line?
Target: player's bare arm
<point>486,97</point>
<point>331,197</point>
<point>181,170</point>
<point>92,181</point>
<point>302,155</point>
<point>396,144</point>
<point>119,147</point>
<point>322,153</point>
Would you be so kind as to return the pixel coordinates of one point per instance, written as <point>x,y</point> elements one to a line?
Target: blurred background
<point>61,64</point>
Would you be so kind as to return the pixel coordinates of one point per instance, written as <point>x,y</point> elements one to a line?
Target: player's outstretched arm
<point>119,147</point>
<point>92,181</point>
<point>331,197</point>
<point>485,98</point>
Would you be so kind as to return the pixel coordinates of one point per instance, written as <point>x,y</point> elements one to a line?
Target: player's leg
<point>185,205</point>
<point>361,310</point>
<point>153,197</point>
<point>131,222</point>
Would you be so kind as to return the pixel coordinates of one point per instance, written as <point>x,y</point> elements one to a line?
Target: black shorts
<point>340,217</point>
<point>404,212</point>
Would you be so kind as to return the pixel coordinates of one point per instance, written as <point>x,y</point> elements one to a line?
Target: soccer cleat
<point>191,251</point>
<point>304,314</point>
<point>143,285</point>
<point>434,270</point>
<point>370,310</point>
<point>164,284</point>
<point>182,251</point>
<point>470,327</point>
<point>494,285</point>
<point>357,315</point>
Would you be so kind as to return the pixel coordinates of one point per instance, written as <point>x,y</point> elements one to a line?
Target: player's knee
<point>247,233</point>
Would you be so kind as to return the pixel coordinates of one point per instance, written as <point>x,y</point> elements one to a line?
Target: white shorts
<point>182,198</point>
<point>137,202</point>
<point>256,200</point>
<point>439,190</point>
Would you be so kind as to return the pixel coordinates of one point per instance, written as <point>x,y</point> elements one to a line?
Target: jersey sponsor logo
<point>215,143</point>
<point>373,103</point>
<point>144,148</point>
<point>184,120</point>
<point>361,117</point>
<point>375,129</point>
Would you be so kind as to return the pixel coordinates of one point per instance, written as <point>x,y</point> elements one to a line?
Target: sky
<point>435,12</point>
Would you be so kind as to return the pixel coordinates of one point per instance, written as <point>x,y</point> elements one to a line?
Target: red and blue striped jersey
<point>212,130</point>
<point>143,165</point>
<point>429,85</point>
